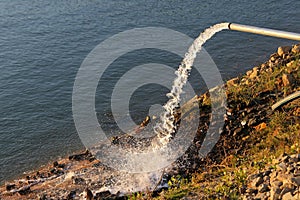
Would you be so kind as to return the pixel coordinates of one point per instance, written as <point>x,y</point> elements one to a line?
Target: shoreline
<point>69,177</point>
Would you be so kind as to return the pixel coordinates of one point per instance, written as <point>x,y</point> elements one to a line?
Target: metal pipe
<point>264,31</point>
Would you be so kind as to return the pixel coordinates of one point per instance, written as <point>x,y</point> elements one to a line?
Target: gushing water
<point>166,127</point>
<point>136,156</point>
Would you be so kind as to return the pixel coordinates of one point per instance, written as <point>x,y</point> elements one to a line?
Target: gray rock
<point>260,196</point>
<point>10,186</point>
<point>286,190</point>
<point>263,188</point>
<point>251,191</point>
<point>288,80</point>
<point>290,169</point>
<point>296,180</point>
<point>283,50</point>
<point>267,173</point>
<point>287,196</point>
<point>266,179</point>
<point>285,158</point>
<point>296,48</point>
<point>256,182</point>
<point>276,184</point>
<point>295,158</point>
<point>282,167</point>
<point>275,193</point>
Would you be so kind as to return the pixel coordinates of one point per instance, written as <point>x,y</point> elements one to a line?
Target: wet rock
<point>55,163</point>
<point>42,197</point>
<point>61,165</point>
<point>103,195</point>
<point>24,190</point>
<point>78,181</point>
<point>53,170</point>
<point>283,50</point>
<point>10,186</point>
<point>87,194</point>
<point>82,156</point>
<point>71,195</point>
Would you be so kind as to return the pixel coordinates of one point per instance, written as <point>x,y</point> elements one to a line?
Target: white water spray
<point>166,127</point>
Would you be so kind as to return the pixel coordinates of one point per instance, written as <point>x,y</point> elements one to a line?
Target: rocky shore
<point>257,156</point>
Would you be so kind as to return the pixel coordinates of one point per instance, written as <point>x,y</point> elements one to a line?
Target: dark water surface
<point>43,43</point>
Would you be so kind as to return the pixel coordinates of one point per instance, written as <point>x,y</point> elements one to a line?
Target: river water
<point>43,43</point>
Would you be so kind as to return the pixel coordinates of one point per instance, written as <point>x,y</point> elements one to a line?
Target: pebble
<point>283,50</point>
<point>287,196</point>
<point>280,182</point>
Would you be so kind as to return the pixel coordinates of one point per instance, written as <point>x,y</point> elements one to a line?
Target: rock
<point>263,188</point>
<point>290,169</point>
<point>286,190</point>
<point>24,190</point>
<point>276,184</point>
<point>267,179</point>
<point>254,73</point>
<point>282,167</point>
<point>42,197</point>
<point>256,182</point>
<point>71,195</point>
<point>83,156</point>
<point>78,181</point>
<point>294,158</point>
<point>285,158</point>
<point>296,180</point>
<point>87,194</point>
<point>10,186</point>
<point>251,191</point>
<point>237,131</point>
<point>103,195</point>
<point>233,82</point>
<point>55,164</point>
<point>275,193</point>
<point>283,50</point>
<point>252,122</point>
<point>267,173</point>
<point>260,196</point>
<point>287,196</point>
<point>290,64</point>
<point>288,79</point>
<point>296,49</point>
<point>61,165</point>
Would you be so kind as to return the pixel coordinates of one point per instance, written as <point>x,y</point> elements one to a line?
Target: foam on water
<point>128,158</point>
<point>166,127</point>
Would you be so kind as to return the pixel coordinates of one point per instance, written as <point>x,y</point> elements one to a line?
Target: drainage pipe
<point>264,31</point>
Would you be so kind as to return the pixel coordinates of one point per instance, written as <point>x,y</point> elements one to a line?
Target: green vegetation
<point>277,133</point>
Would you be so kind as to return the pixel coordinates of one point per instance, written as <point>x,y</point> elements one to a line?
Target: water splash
<point>166,128</point>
